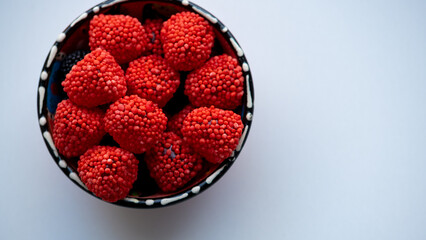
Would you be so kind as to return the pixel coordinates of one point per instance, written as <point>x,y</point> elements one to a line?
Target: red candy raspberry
<point>187,40</point>
<point>76,129</point>
<point>108,172</point>
<point>95,80</point>
<point>219,82</point>
<point>172,163</point>
<point>123,36</point>
<point>212,132</point>
<point>152,78</point>
<point>135,123</point>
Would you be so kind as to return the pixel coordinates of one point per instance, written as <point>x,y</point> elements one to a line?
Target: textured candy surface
<point>219,82</point>
<point>122,36</point>
<point>108,172</point>
<point>175,123</point>
<point>153,29</point>
<point>76,129</point>
<point>95,80</point>
<point>172,163</point>
<point>72,59</point>
<point>187,40</point>
<point>152,78</point>
<point>212,132</point>
<point>135,123</point>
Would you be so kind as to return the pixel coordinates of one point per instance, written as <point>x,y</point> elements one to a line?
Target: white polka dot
<point>96,9</point>
<point>62,164</point>
<point>43,121</point>
<point>43,75</point>
<point>195,189</point>
<point>245,67</point>
<point>61,37</point>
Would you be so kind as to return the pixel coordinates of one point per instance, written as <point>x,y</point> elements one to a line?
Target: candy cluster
<point>120,88</point>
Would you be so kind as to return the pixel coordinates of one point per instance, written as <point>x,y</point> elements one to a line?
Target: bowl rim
<point>206,182</point>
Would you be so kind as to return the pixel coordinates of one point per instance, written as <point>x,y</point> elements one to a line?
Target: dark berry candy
<point>71,59</point>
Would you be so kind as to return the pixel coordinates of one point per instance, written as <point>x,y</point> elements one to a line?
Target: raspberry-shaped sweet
<point>108,172</point>
<point>72,59</point>
<point>172,163</point>
<point>152,78</point>
<point>135,123</point>
<point>212,132</point>
<point>219,82</point>
<point>187,40</point>
<point>121,35</point>
<point>95,80</point>
<point>76,129</point>
<point>176,121</point>
<point>153,28</point>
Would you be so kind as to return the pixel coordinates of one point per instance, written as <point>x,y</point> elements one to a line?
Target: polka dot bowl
<point>145,193</point>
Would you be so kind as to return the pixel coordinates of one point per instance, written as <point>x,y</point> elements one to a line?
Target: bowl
<point>145,193</point>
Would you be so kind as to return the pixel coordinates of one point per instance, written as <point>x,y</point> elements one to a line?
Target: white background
<point>337,149</point>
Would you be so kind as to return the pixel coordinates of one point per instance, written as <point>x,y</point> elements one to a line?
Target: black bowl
<point>145,193</point>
